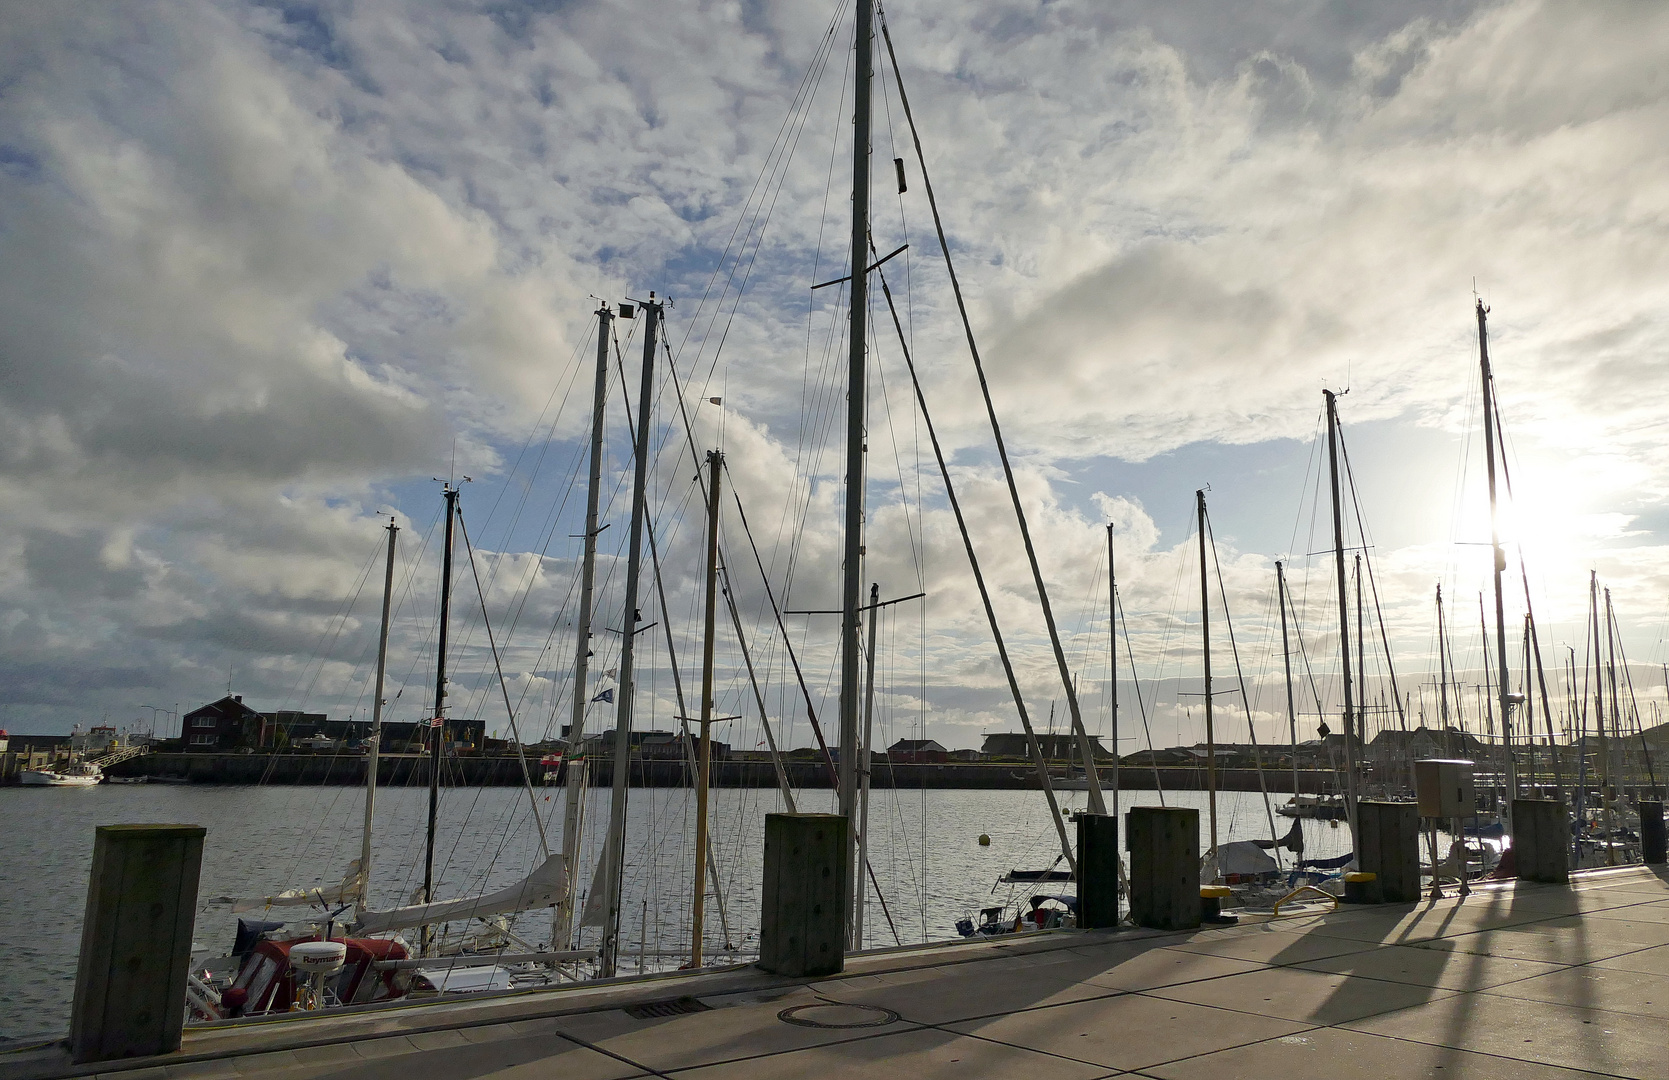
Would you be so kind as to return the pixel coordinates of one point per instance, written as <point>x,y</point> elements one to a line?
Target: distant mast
<point>1499,562</point>
<point>574,797</point>
<point>1205,641</point>
<point>1344,615</point>
<point>437,723</point>
<point>376,722</point>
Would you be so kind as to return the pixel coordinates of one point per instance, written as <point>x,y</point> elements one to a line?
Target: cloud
<point>264,272</point>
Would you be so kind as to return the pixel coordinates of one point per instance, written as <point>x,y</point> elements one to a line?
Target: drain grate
<point>649,1010</point>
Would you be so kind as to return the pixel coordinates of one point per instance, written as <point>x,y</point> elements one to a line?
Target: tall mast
<point>856,399</point>
<point>437,724</point>
<point>615,855</point>
<point>574,797</point>
<point>376,722</point>
<point>1205,640</point>
<point>1500,558</point>
<point>1344,614</point>
<point>1286,663</point>
<point>1442,663</point>
<point>1112,642</point>
<point>715,462</point>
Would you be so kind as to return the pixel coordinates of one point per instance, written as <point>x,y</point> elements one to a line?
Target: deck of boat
<point>1529,982</point>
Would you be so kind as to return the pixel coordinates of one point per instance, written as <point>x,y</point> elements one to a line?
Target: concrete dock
<point>1530,982</point>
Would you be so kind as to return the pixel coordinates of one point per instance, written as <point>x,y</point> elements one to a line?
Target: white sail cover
<point>542,888</point>
<point>332,896</point>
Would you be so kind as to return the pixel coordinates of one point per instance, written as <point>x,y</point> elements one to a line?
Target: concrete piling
<point>136,941</point>
<point>1164,845</point>
<point>802,909</point>
<point>1541,840</point>
<point>1098,859</point>
<point>1388,847</point>
<point>1654,837</point>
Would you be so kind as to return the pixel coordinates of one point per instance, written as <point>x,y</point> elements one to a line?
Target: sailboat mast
<point>1361,655</point>
<point>1500,558</point>
<point>704,766</point>
<point>1112,642</point>
<point>437,723</point>
<point>574,796</point>
<point>376,722</point>
<point>1344,613</point>
<point>1205,640</point>
<point>1442,663</point>
<point>621,761</point>
<point>865,760</point>
<point>1286,664</point>
<point>856,399</point>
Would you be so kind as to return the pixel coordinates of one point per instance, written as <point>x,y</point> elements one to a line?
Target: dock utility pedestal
<point>1164,848</point>
<point>136,941</point>
<point>802,914</point>
<point>1541,840</point>
<point>1388,847</point>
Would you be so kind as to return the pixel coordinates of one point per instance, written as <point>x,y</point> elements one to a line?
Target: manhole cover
<point>836,1015</point>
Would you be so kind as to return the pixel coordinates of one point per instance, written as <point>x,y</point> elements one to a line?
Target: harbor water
<point>924,849</point>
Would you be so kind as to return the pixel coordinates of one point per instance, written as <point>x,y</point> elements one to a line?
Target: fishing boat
<point>75,774</point>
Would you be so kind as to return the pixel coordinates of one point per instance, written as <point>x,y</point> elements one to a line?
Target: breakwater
<point>475,770</point>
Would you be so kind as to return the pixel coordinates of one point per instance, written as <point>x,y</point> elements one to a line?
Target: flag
<point>606,696</point>
<point>436,721</point>
<point>613,673</point>
<point>716,401</point>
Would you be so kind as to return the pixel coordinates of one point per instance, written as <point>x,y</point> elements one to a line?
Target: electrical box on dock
<point>1443,789</point>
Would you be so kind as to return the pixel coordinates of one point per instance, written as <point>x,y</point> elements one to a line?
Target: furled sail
<point>542,888</point>
<point>344,893</point>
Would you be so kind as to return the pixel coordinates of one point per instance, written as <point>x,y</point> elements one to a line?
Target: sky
<point>271,270</point>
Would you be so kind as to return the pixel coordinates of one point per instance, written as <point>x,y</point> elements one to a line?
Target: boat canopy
<point>542,888</point>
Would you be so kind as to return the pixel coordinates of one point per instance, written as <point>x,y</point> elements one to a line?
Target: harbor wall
<point>399,770</point>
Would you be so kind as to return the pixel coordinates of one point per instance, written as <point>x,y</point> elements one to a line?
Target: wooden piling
<point>802,927</point>
<point>1388,847</point>
<point>136,941</point>
<point>1098,858</point>
<point>1164,845</point>
<point>1541,840</point>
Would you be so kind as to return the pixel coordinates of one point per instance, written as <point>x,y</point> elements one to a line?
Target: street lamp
<point>154,711</point>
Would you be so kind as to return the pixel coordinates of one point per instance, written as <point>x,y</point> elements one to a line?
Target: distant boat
<point>1316,807</point>
<point>75,774</point>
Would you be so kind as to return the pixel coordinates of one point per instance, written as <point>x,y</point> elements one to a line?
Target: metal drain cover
<point>649,1010</point>
<point>833,1014</point>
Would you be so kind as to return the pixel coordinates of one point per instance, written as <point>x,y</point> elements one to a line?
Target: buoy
<point>984,840</point>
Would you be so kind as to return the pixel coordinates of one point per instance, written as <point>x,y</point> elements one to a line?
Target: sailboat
<point>266,973</point>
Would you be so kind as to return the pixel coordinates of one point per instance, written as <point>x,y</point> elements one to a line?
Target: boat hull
<point>47,778</point>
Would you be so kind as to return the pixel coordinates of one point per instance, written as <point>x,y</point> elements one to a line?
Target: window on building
<point>205,721</point>
<point>203,740</point>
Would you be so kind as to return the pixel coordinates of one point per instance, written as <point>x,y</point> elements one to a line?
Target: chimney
<point>238,698</point>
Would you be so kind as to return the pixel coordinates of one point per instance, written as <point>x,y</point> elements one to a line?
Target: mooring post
<point>1388,847</point>
<point>1164,845</point>
<point>1541,840</point>
<point>1654,839</point>
<point>1098,858</point>
<point>136,941</point>
<point>802,918</point>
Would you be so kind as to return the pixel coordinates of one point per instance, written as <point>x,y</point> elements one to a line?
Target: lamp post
<point>154,711</point>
